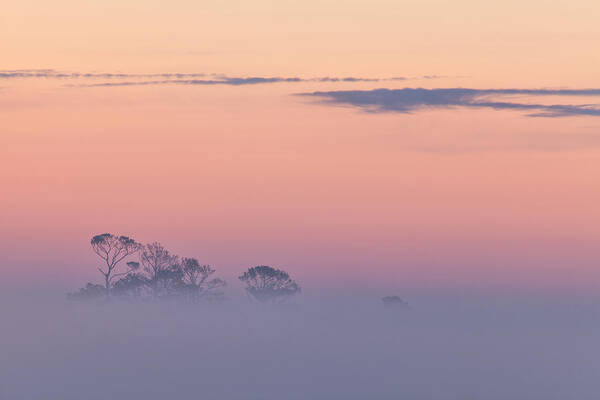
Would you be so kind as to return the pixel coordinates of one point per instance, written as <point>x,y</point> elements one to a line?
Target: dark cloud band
<point>410,100</point>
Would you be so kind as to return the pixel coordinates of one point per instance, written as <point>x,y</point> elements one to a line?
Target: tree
<point>267,284</point>
<point>130,286</point>
<point>393,302</point>
<point>197,282</point>
<point>90,292</point>
<point>169,283</point>
<point>112,250</point>
<point>158,274</point>
<point>158,264</point>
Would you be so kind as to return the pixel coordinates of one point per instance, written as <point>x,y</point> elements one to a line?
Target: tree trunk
<point>106,278</point>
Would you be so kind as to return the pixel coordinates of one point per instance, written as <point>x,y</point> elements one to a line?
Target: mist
<point>313,347</point>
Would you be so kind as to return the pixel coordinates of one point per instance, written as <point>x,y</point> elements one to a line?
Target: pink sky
<point>244,175</point>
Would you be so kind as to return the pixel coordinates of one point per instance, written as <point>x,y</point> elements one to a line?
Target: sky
<point>365,147</point>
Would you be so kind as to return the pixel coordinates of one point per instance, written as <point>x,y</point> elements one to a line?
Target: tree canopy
<point>112,250</point>
<point>158,274</point>
<point>393,302</point>
<point>267,284</point>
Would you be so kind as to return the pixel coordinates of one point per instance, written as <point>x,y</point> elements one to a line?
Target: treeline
<point>159,275</point>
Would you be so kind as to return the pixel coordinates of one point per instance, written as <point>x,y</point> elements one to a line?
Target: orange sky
<point>537,42</point>
<point>245,175</point>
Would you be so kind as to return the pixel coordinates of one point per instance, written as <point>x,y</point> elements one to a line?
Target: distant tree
<point>393,302</point>
<point>91,291</point>
<point>130,286</point>
<point>112,250</point>
<point>158,274</point>
<point>267,284</point>
<point>198,284</point>
<point>160,268</point>
<point>169,283</point>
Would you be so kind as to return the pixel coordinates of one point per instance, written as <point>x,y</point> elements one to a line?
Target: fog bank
<point>345,348</point>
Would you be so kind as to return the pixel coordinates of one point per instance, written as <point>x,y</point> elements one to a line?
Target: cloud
<point>221,81</point>
<point>354,79</point>
<point>134,79</point>
<point>442,77</point>
<point>235,81</point>
<point>115,79</point>
<point>53,74</point>
<point>408,100</point>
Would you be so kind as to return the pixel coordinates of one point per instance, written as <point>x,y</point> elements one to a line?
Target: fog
<point>344,347</point>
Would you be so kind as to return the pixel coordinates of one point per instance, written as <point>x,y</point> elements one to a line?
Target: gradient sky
<point>353,194</point>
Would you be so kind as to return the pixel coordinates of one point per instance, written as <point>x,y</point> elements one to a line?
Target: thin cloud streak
<point>53,74</point>
<point>409,100</point>
<point>145,79</point>
<point>174,78</point>
<point>225,81</point>
<point>235,81</point>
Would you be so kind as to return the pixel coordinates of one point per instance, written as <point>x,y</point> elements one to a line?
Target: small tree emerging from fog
<point>267,284</point>
<point>129,287</point>
<point>197,280</point>
<point>393,302</point>
<point>91,292</point>
<point>112,250</point>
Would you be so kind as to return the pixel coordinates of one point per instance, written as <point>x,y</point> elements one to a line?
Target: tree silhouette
<point>267,284</point>
<point>112,250</point>
<point>90,292</point>
<point>157,263</point>
<point>129,287</point>
<point>393,302</point>
<point>197,282</point>
<point>158,274</point>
